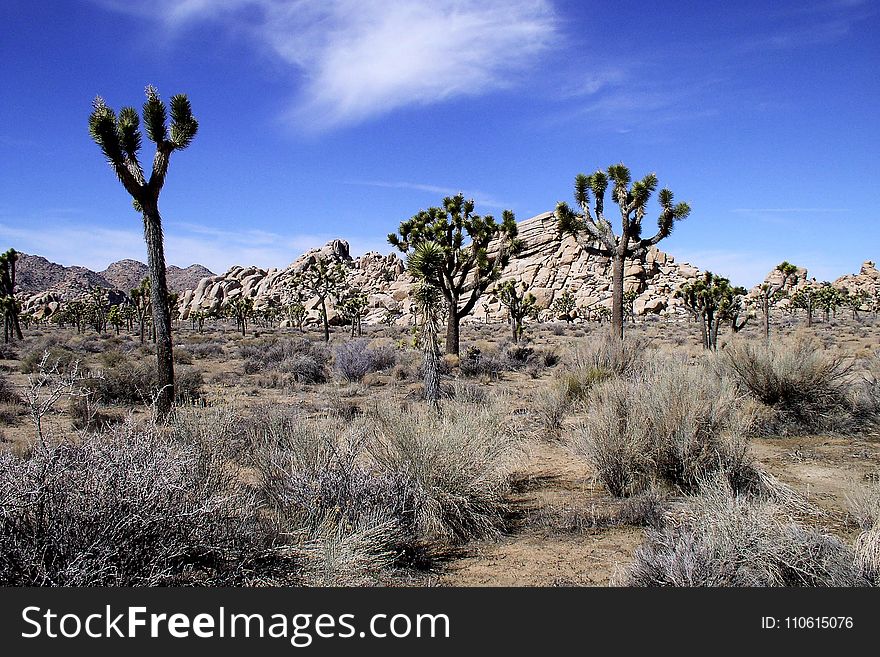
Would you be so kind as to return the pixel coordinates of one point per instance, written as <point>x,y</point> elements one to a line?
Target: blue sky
<point>341,118</point>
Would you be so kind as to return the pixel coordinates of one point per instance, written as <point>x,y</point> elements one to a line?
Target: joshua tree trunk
<point>431,360</point>
<point>161,312</point>
<point>453,332</point>
<point>765,303</point>
<point>324,319</point>
<point>617,268</point>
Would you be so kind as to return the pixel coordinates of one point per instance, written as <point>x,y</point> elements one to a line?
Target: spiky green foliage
<point>829,299</point>
<point>713,300</point>
<point>325,280</point>
<point>594,232</point>
<point>563,306</point>
<point>520,303</point>
<point>242,310</point>
<point>424,259</point>
<point>466,269</point>
<point>353,305</point>
<point>9,305</point>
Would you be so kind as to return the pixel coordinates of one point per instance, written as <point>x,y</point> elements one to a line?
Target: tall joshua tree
<point>8,302</point>
<point>466,270</point>
<point>422,262</point>
<point>596,236</point>
<point>120,140</point>
<point>325,280</point>
<point>520,303</point>
<point>768,292</point>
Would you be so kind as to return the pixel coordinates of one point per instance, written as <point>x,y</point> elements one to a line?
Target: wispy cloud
<point>789,210</point>
<point>360,59</point>
<point>480,199</point>
<point>95,247</point>
<point>810,24</point>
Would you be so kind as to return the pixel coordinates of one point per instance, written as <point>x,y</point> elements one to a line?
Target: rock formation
<point>867,281</point>
<point>548,264</point>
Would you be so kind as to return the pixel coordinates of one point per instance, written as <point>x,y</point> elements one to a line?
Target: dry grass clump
<point>456,461</point>
<point>121,381</point>
<point>587,366</point>
<point>724,539</point>
<point>391,487</point>
<point>610,355</point>
<point>805,387</point>
<point>672,423</point>
<point>133,506</point>
<point>865,507</point>
<point>297,359</point>
<point>355,359</point>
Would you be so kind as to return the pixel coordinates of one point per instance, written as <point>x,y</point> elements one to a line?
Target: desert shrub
<point>12,413</point>
<point>136,383</point>
<point>8,395</point>
<point>805,387</point>
<point>131,507</point>
<point>313,474</point>
<point>609,355</point>
<point>725,539</point>
<point>205,349</point>
<point>673,423</point>
<point>489,364</point>
<point>7,352</point>
<point>456,463</point>
<point>356,358</point>
<point>60,357</point>
<point>182,356</point>
<point>647,509</point>
<point>305,361</point>
<point>314,469</point>
<point>864,505</point>
<point>469,393</point>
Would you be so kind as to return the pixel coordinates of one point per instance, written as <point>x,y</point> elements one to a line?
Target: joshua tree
<point>629,300</point>
<point>768,291</point>
<point>140,298</point>
<point>466,270</point>
<point>563,306</point>
<point>519,303</point>
<point>353,305</point>
<point>120,141</point>
<point>115,318</point>
<point>855,301</point>
<point>242,309</point>
<point>594,232</point>
<point>324,280</point>
<point>829,299</point>
<point>96,309</point>
<point>806,300</point>
<point>8,303</point>
<point>424,260</point>
<point>712,300</point>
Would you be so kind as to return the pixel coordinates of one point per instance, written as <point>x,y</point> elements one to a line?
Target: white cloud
<point>95,247</point>
<point>360,59</point>
<point>480,199</point>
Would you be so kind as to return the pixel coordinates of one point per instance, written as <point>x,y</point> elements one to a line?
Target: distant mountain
<point>36,274</point>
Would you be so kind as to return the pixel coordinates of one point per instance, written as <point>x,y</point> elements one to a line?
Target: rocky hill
<point>547,264</point>
<point>35,274</point>
<point>128,274</point>
<point>43,285</point>
<point>867,280</point>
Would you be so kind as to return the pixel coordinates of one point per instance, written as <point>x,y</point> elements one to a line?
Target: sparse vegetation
<point>726,539</point>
